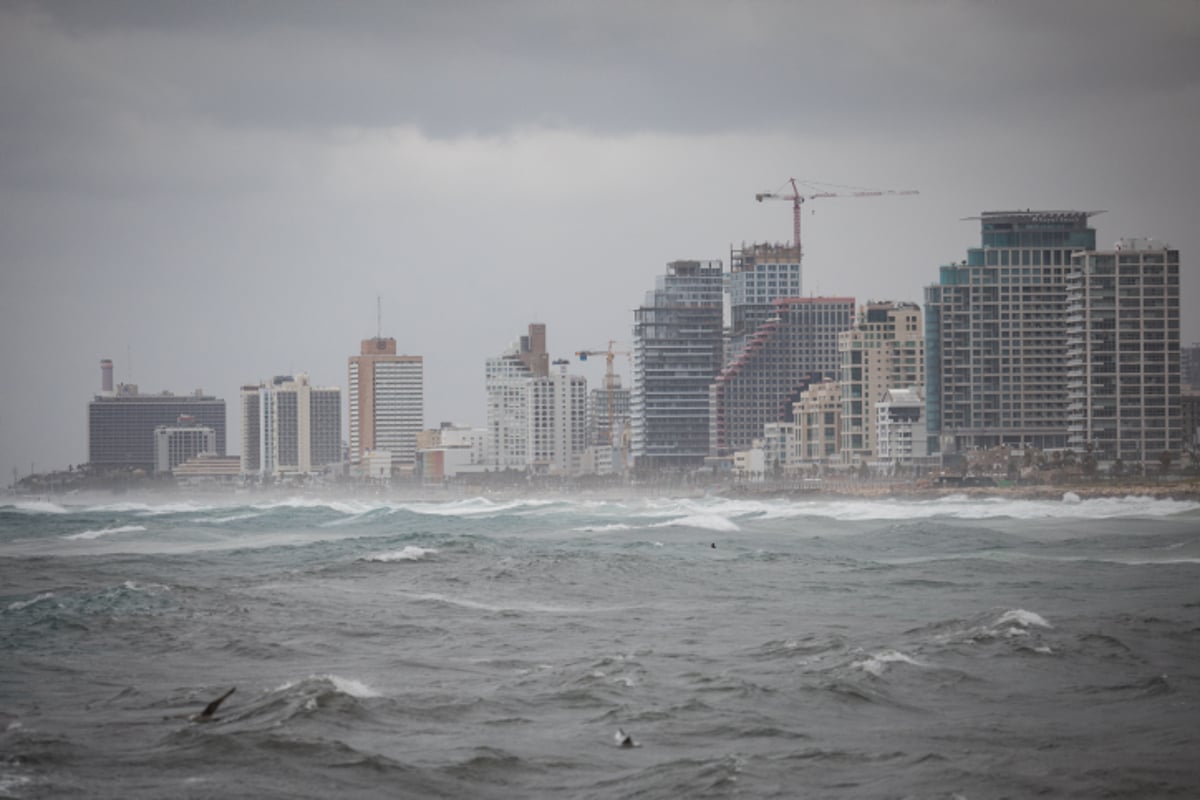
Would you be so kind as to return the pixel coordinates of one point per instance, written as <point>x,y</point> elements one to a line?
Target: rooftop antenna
<point>378,317</point>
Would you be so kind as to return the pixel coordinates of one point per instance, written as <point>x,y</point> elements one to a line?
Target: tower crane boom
<point>610,380</point>
<point>798,200</point>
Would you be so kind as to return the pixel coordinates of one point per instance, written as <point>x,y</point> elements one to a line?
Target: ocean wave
<point>712,522</point>
<point>95,534</point>
<point>878,663</point>
<point>409,553</point>
<point>1021,618</point>
<point>36,507</point>
<point>615,526</point>
<point>229,518</point>
<point>22,604</point>
<point>347,686</point>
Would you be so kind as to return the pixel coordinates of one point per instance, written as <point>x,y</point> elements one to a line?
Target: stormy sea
<point>592,647</point>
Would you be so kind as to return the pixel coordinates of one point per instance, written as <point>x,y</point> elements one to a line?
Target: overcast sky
<point>211,193</point>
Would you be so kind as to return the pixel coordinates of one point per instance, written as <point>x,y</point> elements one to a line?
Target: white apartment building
<point>900,435</point>
<point>387,402</point>
<point>175,444</point>
<point>290,427</point>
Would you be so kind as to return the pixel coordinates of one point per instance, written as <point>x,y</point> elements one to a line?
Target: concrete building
<point>609,428</point>
<point>508,381</point>
<point>121,422</point>
<point>900,433</point>
<point>537,416</point>
<point>386,403</point>
<point>175,444</point>
<point>450,451</point>
<point>290,427</point>
<point>884,350</point>
<point>818,423</point>
<point>995,334</point>
<point>209,468</point>
<point>677,351</point>
<point>1123,375</point>
<point>794,348</point>
<point>759,275</point>
<point>558,427</point>
<point>1189,366</point>
<point>1189,402</point>
<point>781,452</point>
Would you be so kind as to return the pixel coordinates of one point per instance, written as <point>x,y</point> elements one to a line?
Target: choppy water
<point>950,648</point>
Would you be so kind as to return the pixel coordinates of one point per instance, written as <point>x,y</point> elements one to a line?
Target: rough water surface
<point>477,648</point>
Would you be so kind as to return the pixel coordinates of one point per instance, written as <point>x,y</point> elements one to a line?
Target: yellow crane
<point>610,379</point>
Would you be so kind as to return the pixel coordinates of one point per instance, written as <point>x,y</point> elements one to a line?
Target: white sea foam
<point>958,506</point>
<point>616,526</point>
<point>1023,619</point>
<point>37,507</point>
<point>20,604</point>
<point>878,663</point>
<point>350,686</point>
<point>712,522</point>
<point>230,518</point>
<point>149,588</point>
<point>96,534</point>
<point>147,509</point>
<point>409,553</point>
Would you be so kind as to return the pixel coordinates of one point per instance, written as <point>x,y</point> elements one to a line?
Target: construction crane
<point>798,199</point>
<point>610,379</point>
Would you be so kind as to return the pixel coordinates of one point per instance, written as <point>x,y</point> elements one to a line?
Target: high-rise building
<point>507,381</point>
<point>387,402</point>
<point>1123,375</point>
<point>537,416</point>
<point>677,351</point>
<point>759,275</point>
<point>794,348</point>
<point>884,350</point>
<point>290,427</point>
<point>995,334</point>
<point>900,435</point>
<point>608,414</point>
<point>818,428</point>
<point>175,444</point>
<point>557,422</point>
<point>1189,366</point>
<point>121,422</point>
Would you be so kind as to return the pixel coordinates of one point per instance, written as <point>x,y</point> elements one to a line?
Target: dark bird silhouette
<point>209,710</point>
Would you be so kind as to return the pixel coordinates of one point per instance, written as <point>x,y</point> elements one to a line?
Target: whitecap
<point>350,686</point>
<point>230,518</point>
<point>878,663</point>
<point>105,532</point>
<point>149,588</point>
<point>616,526</point>
<point>1071,497</point>
<point>20,604</point>
<point>409,553</point>
<point>37,507</point>
<point>1022,618</point>
<point>712,522</point>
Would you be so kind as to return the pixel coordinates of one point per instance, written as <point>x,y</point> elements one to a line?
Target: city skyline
<point>180,194</point>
